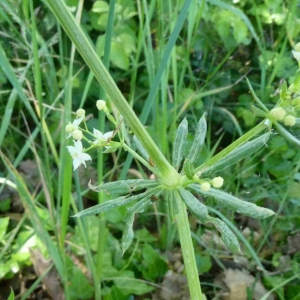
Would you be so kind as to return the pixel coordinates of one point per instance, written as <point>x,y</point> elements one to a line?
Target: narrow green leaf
<point>257,100</point>
<point>194,205</point>
<point>227,235</point>
<point>128,234</point>
<point>179,143</point>
<point>123,186</point>
<point>283,90</point>
<point>287,135</point>
<point>31,209</point>
<point>140,148</point>
<point>188,169</point>
<point>110,204</point>
<point>237,205</point>
<point>198,139</point>
<point>238,154</point>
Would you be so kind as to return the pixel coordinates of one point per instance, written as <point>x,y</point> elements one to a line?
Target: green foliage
<point>188,73</point>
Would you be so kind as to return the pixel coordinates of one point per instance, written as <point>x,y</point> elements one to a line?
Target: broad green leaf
<point>287,135</point>
<point>100,7</point>
<point>154,265</point>
<point>238,154</point>
<point>3,226</point>
<point>231,202</point>
<point>113,203</point>
<point>123,186</point>
<point>188,169</point>
<point>179,143</point>
<point>130,285</point>
<point>194,205</point>
<point>227,235</point>
<point>198,140</point>
<point>128,234</point>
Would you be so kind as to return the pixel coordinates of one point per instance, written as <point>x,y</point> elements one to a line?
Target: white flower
<point>217,182</point>
<point>75,124</point>
<point>77,155</point>
<point>100,137</point>
<point>205,187</point>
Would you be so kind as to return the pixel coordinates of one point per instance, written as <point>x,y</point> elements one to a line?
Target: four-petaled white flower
<point>77,155</point>
<point>75,124</point>
<point>100,137</point>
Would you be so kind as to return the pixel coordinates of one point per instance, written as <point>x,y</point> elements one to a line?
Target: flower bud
<point>289,120</point>
<point>70,128</point>
<point>80,112</point>
<point>217,182</point>
<point>278,113</point>
<point>77,134</point>
<point>101,104</point>
<point>205,186</point>
<point>297,47</point>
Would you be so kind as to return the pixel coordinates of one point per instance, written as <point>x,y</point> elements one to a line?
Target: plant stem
<point>188,253</point>
<point>87,51</point>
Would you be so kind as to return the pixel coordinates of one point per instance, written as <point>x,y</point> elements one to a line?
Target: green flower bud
<point>77,134</point>
<point>278,113</point>
<point>217,182</point>
<point>289,120</point>
<point>101,104</point>
<point>80,112</point>
<point>205,186</point>
<point>70,128</point>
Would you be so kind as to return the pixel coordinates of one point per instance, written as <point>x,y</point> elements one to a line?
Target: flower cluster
<point>77,152</point>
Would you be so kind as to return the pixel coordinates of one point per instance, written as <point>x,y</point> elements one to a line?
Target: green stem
<point>142,160</point>
<point>188,253</point>
<point>87,51</point>
<point>242,140</point>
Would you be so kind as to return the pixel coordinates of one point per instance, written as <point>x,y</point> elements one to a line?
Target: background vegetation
<point>46,253</point>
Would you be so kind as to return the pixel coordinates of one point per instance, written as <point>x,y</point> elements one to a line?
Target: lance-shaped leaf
<point>198,140</point>
<point>287,135</point>
<point>123,186</point>
<point>110,204</point>
<point>194,205</point>
<point>172,205</point>
<point>227,235</point>
<point>231,202</point>
<point>179,143</point>
<point>188,169</point>
<point>238,154</point>
<point>128,234</point>
<point>140,148</point>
